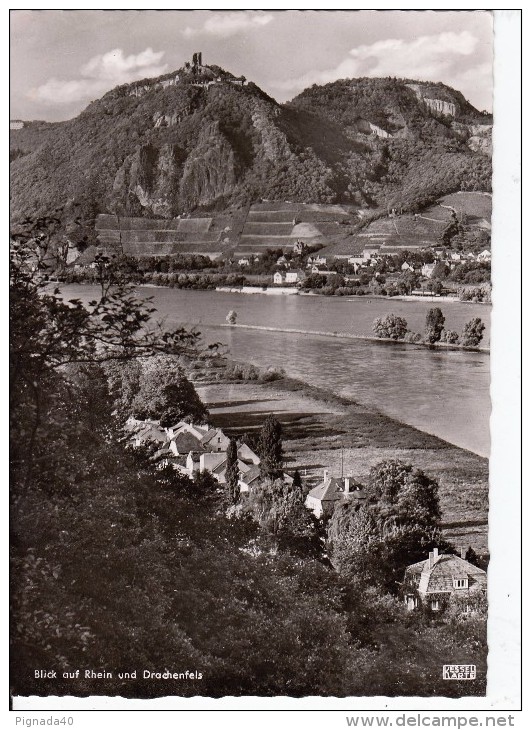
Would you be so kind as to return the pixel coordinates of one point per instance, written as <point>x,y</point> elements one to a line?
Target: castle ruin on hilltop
<point>195,74</point>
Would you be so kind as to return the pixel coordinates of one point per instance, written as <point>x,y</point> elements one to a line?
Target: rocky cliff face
<point>148,182</point>
<point>209,172</point>
<point>478,137</point>
<point>275,146</point>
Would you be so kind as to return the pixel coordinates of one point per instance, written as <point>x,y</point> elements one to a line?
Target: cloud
<point>99,74</point>
<point>431,58</point>
<point>224,25</point>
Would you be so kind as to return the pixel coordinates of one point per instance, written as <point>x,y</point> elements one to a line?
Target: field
<point>270,216</point>
<point>273,228</point>
<point>139,249</point>
<point>324,431</point>
<point>473,205</point>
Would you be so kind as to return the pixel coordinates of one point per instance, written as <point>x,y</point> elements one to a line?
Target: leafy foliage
<point>232,473</point>
<point>391,326</point>
<point>270,448</point>
<point>472,333</point>
<point>399,522</point>
<point>434,325</point>
<point>278,509</point>
<point>166,394</point>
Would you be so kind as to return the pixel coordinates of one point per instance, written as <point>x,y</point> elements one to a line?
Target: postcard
<point>263,359</point>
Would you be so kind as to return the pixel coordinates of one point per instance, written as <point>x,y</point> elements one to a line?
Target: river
<point>442,392</point>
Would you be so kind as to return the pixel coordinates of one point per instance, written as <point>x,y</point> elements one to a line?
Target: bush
<point>451,337</point>
<point>272,373</point>
<point>412,337</point>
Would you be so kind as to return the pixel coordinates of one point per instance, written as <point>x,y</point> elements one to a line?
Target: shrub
<point>451,337</point>
<point>272,373</point>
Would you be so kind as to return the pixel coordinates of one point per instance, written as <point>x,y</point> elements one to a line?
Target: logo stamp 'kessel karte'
<point>459,671</point>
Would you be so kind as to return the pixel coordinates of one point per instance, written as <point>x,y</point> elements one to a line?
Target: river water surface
<point>443,392</point>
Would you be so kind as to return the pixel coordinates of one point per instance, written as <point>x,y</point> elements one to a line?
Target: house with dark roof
<point>215,440</point>
<point>434,581</point>
<point>184,442</point>
<point>247,455</point>
<point>184,427</point>
<point>145,432</point>
<point>249,480</point>
<point>321,500</point>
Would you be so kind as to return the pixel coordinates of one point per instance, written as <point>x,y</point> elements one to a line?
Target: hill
<point>202,142</point>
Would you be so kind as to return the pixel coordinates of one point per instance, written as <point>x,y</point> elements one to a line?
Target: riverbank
<point>366,338</point>
<point>258,290</point>
<point>324,431</point>
<point>441,391</point>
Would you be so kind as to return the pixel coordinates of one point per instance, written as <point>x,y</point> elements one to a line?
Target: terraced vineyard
<point>263,226</point>
<point>278,224</point>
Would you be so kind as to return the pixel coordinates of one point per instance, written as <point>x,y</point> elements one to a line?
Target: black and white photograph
<point>250,355</point>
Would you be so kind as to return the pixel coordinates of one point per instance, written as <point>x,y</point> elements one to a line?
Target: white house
<point>278,277</point>
<point>316,260</point>
<point>371,251</point>
<point>294,277</point>
<point>249,479</point>
<point>427,270</point>
<point>484,255</point>
<point>323,272</point>
<point>244,261</point>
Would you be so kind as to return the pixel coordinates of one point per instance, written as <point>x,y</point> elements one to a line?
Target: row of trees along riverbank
<point>393,327</point>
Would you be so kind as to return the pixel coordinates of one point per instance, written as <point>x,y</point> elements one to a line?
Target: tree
<point>407,281</point>
<point>297,483</point>
<point>270,448</point>
<point>397,524</point>
<point>472,333</point>
<point>451,230</point>
<point>391,326</point>
<point>435,286</point>
<point>123,378</point>
<point>441,270</point>
<point>232,474</point>
<point>278,509</point>
<point>166,394</point>
<point>49,333</point>
<point>434,325</point>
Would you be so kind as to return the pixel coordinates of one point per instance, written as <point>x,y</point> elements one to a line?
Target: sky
<point>63,59</point>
